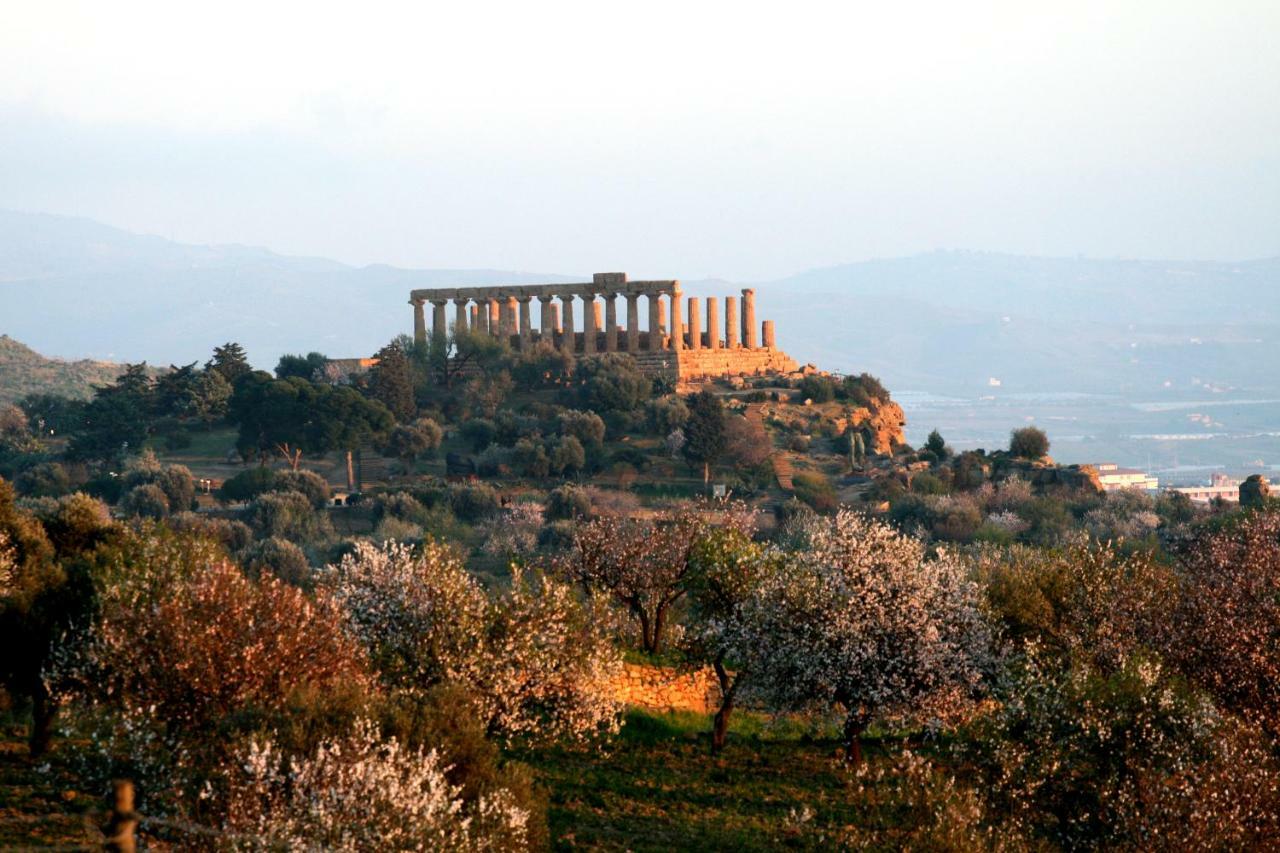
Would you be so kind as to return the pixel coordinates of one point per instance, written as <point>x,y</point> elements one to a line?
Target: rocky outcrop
<point>881,425</point>
<point>1254,491</point>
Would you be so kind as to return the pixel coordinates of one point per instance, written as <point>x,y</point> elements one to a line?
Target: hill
<point>943,322</point>
<point>24,371</point>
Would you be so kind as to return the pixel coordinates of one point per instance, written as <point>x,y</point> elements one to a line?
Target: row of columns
<point>511,316</point>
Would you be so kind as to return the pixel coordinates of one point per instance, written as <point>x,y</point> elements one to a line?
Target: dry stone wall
<point>661,688</point>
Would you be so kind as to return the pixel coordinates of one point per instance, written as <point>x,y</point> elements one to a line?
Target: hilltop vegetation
<point>24,371</point>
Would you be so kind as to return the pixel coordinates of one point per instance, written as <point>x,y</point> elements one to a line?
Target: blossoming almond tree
<point>360,792</point>
<point>862,619</point>
<point>531,656</point>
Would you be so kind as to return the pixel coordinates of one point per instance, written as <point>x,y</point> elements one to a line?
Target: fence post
<point>123,820</point>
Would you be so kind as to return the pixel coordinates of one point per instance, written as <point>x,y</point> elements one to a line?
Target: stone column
<point>419,322</point>
<point>475,318</point>
<point>459,316</point>
<point>677,328</point>
<point>748,318</point>
<point>713,323</point>
<point>655,322</point>
<point>633,322</point>
<point>495,316</point>
<point>507,319</point>
<point>732,325</point>
<point>556,328</point>
<point>590,321</point>
<point>695,323</point>
<point>610,322</point>
<point>767,333</point>
<point>547,328</point>
<point>439,323</point>
<point>568,342</point>
<point>526,324</point>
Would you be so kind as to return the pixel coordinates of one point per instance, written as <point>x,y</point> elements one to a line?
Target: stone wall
<point>661,688</point>
<point>709,363</point>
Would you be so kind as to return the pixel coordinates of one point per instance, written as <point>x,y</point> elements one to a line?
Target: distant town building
<point>1220,487</point>
<point>1114,478</point>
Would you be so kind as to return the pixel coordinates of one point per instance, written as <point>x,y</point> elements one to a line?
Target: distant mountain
<point>950,322</point>
<point>24,371</point>
<point>79,288</point>
<point>946,322</point>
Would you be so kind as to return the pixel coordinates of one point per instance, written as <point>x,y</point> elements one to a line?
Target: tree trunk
<point>854,725</point>
<point>43,710</point>
<point>706,473</point>
<point>351,473</point>
<point>646,640</point>
<point>720,725</point>
<point>659,620</point>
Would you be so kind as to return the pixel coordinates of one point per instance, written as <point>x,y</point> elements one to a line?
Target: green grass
<point>657,787</point>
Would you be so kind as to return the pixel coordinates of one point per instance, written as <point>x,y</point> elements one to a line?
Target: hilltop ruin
<point>674,343</point>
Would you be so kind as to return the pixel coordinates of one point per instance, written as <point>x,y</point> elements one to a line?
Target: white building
<point>1220,486</point>
<point>1114,478</point>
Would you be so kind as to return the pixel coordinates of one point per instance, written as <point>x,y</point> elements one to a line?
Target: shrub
<point>567,502</point>
<point>473,503</point>
<point>611,382</point>
<point>234,536</point>
<point>816,490</point>
<point>247,485</point>
<point>478,433</point>
<point>1028,443</point>
<point>43,480</point>
<point>666,414</point>
<point>820,389</point>
<point>586,427</point>
<point>307,483</point>
<point>278,558</point>
<point>146,501</point>
<point>288,515</point>
<point>363,792</point>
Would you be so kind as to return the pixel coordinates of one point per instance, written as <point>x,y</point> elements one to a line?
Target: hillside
<point>24,371</point>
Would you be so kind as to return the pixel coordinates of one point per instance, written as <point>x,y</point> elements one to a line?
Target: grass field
<point>778,784</point>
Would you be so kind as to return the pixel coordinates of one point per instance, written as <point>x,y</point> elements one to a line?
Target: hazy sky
<point>679,139</point>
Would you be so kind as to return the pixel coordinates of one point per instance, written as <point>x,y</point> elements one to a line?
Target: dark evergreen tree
<point>229,360</point>
<point>705,432</point>
<point>391,381</point>
<point>303,366</point>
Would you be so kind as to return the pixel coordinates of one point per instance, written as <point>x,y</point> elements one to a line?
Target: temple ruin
<point>674,342</point>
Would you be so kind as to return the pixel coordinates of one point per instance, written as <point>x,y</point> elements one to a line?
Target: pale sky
<point>681,139</point>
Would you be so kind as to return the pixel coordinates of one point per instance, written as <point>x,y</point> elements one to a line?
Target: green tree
<point>1029,443</point>
<point>117,420</point>
<point>704,433</point>
<point>301,366</point>
<point>936,445</point>
<point>391,381</point>
<point>611,382</point>
<point>230,361</point>
<point>408,442</point>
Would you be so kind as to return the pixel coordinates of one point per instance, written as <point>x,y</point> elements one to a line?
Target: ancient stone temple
<point>674,340</point>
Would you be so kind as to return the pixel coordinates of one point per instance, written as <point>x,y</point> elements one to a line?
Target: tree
<point>936,445</point>
<point>230,361</point>
<point>728,569</point>
<point>303,366</point>
<point>611,382</point>
<point>542,365</point>
<point>293,416</point>
<point>532,656</point>
<point>643,564</point>
<point>117,420</point>
<point>408,442</point>
<point>704,433</point>
<point>391,381</point>
<point>1227,616</point>
<point>209,642</point>
<point>860,618</point>
<point>1028,443</point>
